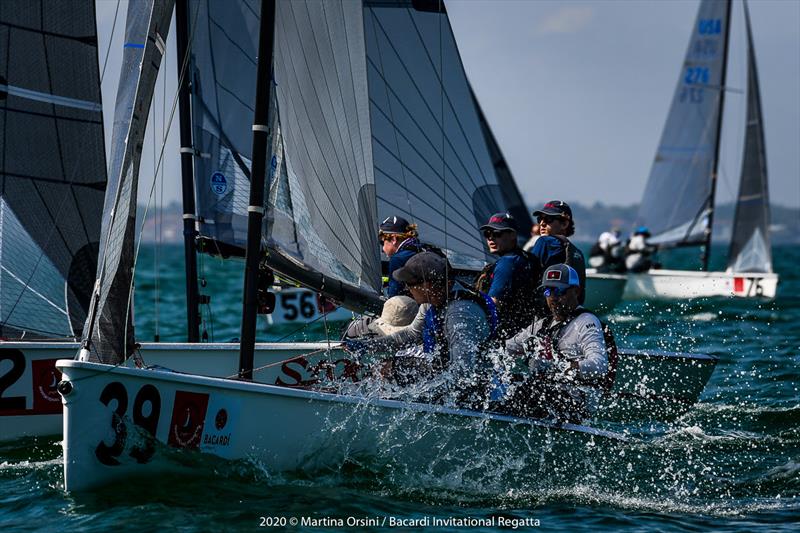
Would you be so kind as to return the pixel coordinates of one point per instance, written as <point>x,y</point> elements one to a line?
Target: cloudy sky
<point>577,91</point>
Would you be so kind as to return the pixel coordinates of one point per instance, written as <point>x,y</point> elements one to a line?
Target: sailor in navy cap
<point>399,240</point>
<point>509,281</point>
<point>556,225</point>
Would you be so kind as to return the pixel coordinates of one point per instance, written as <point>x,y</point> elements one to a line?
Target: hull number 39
<point>196,422</point>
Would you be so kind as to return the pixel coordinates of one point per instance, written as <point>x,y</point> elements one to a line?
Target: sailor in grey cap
<point>568,353</point>
<point>451,328</point>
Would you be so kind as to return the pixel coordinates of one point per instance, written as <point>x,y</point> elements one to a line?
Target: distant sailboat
<point>678,203</point>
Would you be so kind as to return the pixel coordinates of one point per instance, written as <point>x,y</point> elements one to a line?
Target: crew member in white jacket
<point>566,354</point>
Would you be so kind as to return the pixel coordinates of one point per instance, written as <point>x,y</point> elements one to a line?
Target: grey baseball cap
<point>425,266</point>
<point>561,276</point>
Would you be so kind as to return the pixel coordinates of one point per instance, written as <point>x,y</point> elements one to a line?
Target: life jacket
<point>572,257</point>
<point>550,333</point>
<point>434,340</point>
<point>517,311</point>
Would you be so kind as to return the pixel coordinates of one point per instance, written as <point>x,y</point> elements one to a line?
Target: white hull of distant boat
<point>603,291</point>
<point>648,385</point>
<point>685,284</point>
<point>111,415</point>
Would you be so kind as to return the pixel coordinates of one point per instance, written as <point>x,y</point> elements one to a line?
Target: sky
<point>576,92</point>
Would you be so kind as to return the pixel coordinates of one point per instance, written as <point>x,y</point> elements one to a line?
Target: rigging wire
<point>444,181</point>
<point>184,69</point>
<point>155,229</point>
<point>110,41</point>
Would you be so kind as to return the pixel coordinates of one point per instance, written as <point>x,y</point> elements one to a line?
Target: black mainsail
<point>750,249</point>
<point>52,166</point>
<point>109,336</point>
<point>679,197</point>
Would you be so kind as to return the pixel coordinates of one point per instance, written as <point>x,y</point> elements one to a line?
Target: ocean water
<point>732,463</point>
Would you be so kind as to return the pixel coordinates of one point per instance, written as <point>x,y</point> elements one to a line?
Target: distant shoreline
<point>591,220</point>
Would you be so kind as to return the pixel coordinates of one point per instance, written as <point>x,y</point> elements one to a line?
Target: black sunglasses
<point>547,219</point>
<point>489,234</point>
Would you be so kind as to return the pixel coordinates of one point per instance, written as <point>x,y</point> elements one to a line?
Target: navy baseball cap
<point>561,276</point>
<point>554,208</point>
<point>394,224</point>
<point>500,222</point>
<point>425,266</point>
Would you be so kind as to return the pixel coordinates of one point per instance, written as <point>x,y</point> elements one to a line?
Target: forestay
<point>52,166</point>
<point>678,198</point>
<point>109,332</point>
<point>750,249</point>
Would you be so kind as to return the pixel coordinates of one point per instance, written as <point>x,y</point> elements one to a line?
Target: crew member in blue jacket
<point>553,247</point>
<point>510,281</point>
<point>400,243</point>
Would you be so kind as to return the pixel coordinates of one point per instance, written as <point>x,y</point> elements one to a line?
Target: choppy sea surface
<point>732,463</point>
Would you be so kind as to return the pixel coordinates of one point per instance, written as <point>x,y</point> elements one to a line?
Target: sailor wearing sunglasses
<point>510,281</point>
<point>556,224</point>
<point>567,353</point>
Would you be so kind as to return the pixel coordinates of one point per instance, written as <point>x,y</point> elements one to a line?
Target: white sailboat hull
<point>648,385</point>
<point>282,429</point>
<point>685,284</point>
<point>603,291</point>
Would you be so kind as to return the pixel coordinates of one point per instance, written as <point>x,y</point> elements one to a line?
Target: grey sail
<point>321,212</point>
<point>223,75</point>
<point>371,113</point>
<point>109,335</point>
<point>750,249</point>
<point>52,166</point>
<point>678,198</point>
<point>432,162</point>
<point>512,198</point>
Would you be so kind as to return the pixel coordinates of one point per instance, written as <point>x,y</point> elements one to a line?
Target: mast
<point>255,211</point>
<point>706,253</point>
<point>187,173</point>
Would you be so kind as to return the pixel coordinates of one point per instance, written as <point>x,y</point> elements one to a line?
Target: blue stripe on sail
<point>133,45</point>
